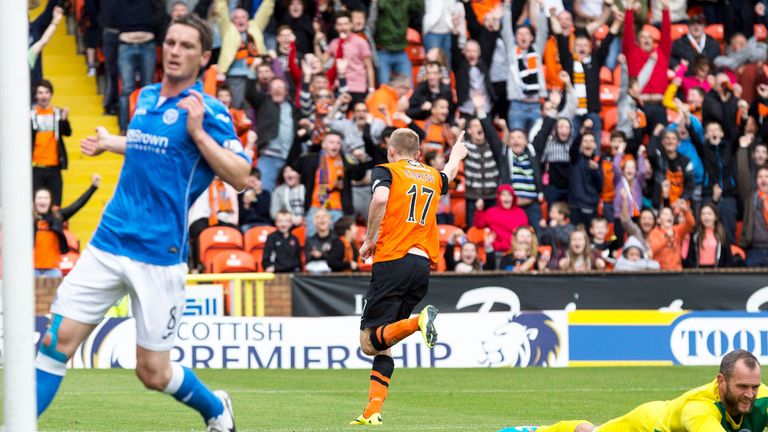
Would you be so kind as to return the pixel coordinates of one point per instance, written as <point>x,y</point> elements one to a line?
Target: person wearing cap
<point>695,43</point>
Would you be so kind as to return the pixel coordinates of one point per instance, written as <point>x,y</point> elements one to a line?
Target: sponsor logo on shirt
<point>138,140</point>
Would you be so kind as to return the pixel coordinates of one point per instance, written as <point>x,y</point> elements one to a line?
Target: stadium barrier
<point>745,290</point>
<point>477,339</point>
<point>246,290</point>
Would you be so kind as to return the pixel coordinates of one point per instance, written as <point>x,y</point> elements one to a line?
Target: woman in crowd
<point>709,246</point>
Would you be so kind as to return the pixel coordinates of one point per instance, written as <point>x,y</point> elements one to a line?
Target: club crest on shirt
<point>170,116</point>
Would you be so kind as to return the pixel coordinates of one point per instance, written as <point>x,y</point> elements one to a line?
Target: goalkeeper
<point>736,401</point>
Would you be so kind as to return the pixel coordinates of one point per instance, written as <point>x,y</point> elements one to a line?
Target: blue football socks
<point>189,390</point>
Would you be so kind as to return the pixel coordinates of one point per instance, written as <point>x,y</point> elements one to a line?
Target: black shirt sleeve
<point>446,183</point>
<point>380,176</point>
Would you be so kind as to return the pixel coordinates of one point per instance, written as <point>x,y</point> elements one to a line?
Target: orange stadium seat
<point>234,262</point>
<point>444,232</point>
<point>477,236</point>
<point>609,95</point>
<point>678,31</point>
<point>255,239</point>
<point>716,31</point>
<point>301,233</point>
<point>601,32</point>
<point>413,37</point>
<point>68,261</point>
<point>459,211</point>
<point>609,115</point>
<point>653,31</point>
<point>211,80</point>
<point>132,100</point>
<point>215,239</point>
<point>606,76</point>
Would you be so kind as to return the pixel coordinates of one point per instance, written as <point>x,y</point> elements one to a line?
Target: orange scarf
<point>762,196</point>
<point>349,255</point>
<point>218,200</point>
<point>330,172</point>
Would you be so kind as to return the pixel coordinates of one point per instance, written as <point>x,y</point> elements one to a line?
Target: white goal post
<point>20,408</point>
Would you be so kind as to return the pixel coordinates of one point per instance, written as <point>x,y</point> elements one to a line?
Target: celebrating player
<point>403,213</point>
<point>735,401</point>
<point>177,140</point>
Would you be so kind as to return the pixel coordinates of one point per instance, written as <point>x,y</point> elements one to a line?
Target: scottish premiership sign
<point>498,339</point>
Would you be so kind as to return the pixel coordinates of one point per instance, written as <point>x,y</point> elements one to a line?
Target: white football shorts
<point>100,279</point>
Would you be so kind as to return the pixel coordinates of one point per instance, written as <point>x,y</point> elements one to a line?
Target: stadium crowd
<point>602,134</point>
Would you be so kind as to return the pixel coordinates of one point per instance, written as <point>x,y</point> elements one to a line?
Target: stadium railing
<point>242,289</point>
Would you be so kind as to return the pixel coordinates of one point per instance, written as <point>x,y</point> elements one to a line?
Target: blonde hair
<point>534,246</point>
<point>586,255</point>
<point>405,142</point>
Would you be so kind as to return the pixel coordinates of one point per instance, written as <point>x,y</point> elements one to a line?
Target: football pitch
<point>326,400</point>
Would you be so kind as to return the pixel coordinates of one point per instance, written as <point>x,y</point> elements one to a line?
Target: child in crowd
<point>344,253</point>
<point>628,179</point>
<point>557,233</point>
<point>254,203</point>
<point>502,219</point>
<point>634,258</point>
<point>318,245</point>
<point>606,245</point>
<point>288,195</point>
<point>469,260</point>
<point>282,252</point>
<point>579,257</point>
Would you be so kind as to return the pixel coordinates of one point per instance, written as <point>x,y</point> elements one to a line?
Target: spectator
<point>284,62</point>
<point>436,55</point>
<point>241,41</point>
<point>695,43</point>
<point>216,206</point>
<point>365,28</point>
<point>722,105</point>
<point>288,195</point>
<point>586,180</point>
<point>276,121</point>
<point>666,239</point>
<point>628,180</point>
<point>699,75</point>
<point>138,21</point>
<point>579,256</point>
<point>481,166</point>
<point>486,30</point>
<point>601,242</point>
<point>751,156</point>
<point>525,82</point>
<point>437,25</point>
<point>319,245</point>
<point>435,132</point>
<point>344,253</point>
<point>282,252</point>
<point>361,78</point>
<point>472,77</point>
<point>37,27</point>
<point>740,51</point>
<point>391,28</point>
<point>672,172</point>
<point>426,92</point>
<point>301,24</point>
<point>49,154</point>
<point>352,129</point>
<point>327,177</point>
<point>523,253</point>
<point>634,258</point>
<point>719,185</point>
<point>385,101</point>
<point>584,66</point>
<point>641,54</point>
<point>243,125</point>
<point>502,219</point>
<point>631,117</point>
<point>754,234</point>
<point>558,231</point>
<point>92,34</point>
<point>444,211</point>
<point>640,230</point>
<point>468,258</point>
<point>709,246</point>
<point>553,143</point>
<point>37,47</point>
<point>254,203</point>
<point>50,241</point>
<point>109,19</point>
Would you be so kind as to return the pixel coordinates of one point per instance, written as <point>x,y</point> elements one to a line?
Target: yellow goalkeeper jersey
<point>701,410</point>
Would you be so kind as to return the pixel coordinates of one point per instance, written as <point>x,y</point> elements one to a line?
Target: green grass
<point>326,400</point>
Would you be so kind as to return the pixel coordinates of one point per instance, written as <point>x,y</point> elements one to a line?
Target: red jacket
<point>636,57</point>
<point>502,221</point>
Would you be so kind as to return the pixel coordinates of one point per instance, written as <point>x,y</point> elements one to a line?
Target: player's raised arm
<point>232,168</point>
<point>94,145</point>
<point>458,153</point>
